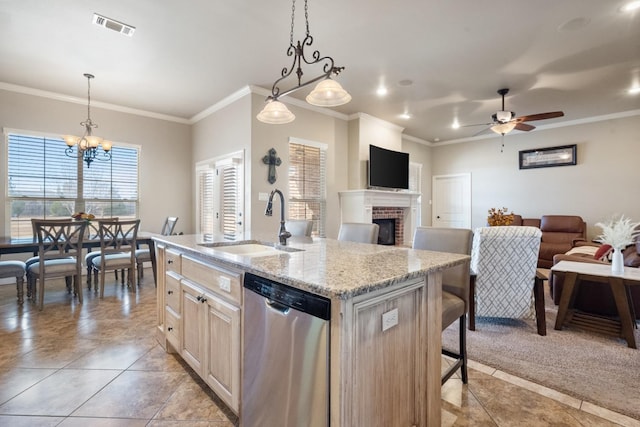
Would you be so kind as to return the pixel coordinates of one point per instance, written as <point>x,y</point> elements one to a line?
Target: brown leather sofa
<point>559,234</point>
<point>595,297</point>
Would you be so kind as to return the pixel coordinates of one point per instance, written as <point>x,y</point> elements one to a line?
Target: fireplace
<point>387,233</point>
<point>368,205</point>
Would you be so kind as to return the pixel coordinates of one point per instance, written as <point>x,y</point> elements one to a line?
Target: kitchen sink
<point>254,249</point>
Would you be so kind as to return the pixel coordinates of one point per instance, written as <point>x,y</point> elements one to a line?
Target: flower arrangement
<point>499,217</point>
<point>83,216</point>
<point>619,233</point>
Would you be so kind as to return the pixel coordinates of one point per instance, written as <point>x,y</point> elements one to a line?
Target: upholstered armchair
<point>503,261</point>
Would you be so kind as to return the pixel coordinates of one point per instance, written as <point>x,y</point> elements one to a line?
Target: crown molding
<point>83,101</point>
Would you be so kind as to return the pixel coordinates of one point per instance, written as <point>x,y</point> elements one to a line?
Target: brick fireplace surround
<point>365,205</point>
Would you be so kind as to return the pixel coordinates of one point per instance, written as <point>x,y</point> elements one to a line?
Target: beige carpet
<point>591,367</point>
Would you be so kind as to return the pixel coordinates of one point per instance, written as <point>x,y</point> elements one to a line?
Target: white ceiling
<point>578,56</point>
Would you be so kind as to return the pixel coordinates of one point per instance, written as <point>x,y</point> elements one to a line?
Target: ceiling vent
<point>114,25</point>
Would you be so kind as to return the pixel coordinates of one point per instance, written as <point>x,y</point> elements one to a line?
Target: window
<point>43,182</point>
<point>307,183</point>
<point>220,197</point>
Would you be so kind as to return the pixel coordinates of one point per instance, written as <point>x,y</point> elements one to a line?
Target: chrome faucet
<point>283,234</point>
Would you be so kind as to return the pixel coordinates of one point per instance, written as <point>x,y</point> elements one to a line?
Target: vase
<point>617,262</point>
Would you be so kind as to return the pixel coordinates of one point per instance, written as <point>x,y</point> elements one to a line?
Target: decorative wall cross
<point>272,160</point>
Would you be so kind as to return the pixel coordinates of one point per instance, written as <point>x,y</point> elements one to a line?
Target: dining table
<point>9,245</point>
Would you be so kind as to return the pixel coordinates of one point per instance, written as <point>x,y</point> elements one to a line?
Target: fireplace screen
<point>387,233</point>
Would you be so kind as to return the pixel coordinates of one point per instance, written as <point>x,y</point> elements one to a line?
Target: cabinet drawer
<point>172,328</point>
<point>173,261</point>
<point>223,282</point>
<point>172,297</point>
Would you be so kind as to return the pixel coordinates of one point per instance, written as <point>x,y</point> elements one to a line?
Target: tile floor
<point>97,364</point>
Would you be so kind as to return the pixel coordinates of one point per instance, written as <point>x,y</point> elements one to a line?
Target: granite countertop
<point>332,268</point>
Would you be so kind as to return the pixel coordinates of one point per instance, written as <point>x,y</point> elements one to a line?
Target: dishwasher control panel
<point>297,299</point>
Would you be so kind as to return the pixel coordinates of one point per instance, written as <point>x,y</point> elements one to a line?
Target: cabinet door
<point>394,397</point>
<point>222,367</point>
<point>192,321</point>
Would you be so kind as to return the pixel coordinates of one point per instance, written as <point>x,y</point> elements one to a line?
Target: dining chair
<point>59,254</point>
<point>117,249</point>
<point>144,255</point>
<point>299,227</point>
<point>92,233</point>
<point>455,287</point>
<point>359,232</point>
<point>504,262</point>
<point>15,269</point>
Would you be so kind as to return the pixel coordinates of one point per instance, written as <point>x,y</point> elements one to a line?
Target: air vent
<point>114,25</point>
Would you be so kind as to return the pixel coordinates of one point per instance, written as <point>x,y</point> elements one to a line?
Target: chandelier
<point>328,92</point>
<point>88,144</point>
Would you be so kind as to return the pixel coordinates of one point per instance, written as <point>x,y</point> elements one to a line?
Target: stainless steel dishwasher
<point>286,356</point>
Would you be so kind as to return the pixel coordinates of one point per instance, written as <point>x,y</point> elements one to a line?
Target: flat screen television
<point>388,168</point>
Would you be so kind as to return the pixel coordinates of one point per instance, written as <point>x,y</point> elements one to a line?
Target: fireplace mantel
<point>357,206</point>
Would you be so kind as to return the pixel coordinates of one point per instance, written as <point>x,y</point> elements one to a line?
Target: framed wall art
<point>548,157</point>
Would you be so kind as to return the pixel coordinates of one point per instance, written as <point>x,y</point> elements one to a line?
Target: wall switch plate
<point>224,283</point>
<point>263,197</point>
<point>389,319</point>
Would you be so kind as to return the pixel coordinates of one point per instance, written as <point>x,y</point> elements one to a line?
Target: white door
<point>451,201</point>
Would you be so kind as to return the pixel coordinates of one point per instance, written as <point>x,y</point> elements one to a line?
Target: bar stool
<point>14,269</point>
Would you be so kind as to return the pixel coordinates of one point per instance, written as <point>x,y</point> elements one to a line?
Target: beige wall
<point>164,158</point>
<point>600,185</point>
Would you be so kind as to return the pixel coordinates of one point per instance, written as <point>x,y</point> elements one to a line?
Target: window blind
<point>307,185</point>
<point>43,182</point>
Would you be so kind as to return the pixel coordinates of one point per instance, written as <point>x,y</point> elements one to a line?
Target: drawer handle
<point>170,328</point>
<point>170,292</point>
<point>170,261</point>
<point>199,298</point>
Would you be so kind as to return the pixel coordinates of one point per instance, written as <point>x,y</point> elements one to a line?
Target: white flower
<point>618,233</point>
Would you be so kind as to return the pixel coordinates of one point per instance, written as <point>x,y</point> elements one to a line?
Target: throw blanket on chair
<point>504,260</point>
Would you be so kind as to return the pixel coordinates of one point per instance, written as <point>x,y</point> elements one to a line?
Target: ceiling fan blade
<point>540,116</point>
<point>525,127</point>
<point>477,124</point>
<point>482,131</point>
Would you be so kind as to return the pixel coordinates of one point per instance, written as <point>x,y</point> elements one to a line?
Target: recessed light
<point>455,124</point>
<point>631,6</point>
<point>405,116</point>
<point>381,91</point>
<point>634,90</point>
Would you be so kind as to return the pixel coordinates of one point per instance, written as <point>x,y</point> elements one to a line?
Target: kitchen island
<point>385,319</point>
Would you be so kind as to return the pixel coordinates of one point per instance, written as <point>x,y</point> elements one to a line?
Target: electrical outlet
<point>389,319</point>
<point>224,283</point>
<point>263,197</point>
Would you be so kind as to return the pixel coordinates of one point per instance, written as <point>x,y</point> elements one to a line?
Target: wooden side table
<point>574,273</point>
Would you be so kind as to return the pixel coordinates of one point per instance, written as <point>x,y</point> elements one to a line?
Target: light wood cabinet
<point>392,354</point>
<point>201,320</point>
<point>222,356</point>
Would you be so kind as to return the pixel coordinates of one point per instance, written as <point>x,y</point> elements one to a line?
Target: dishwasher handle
<point>276,306</point>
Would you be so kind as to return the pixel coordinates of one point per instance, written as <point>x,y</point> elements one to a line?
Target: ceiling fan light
<point>275,113</point>
<point>503,128</point>
<point>504,116</point>
<point>328,93</point>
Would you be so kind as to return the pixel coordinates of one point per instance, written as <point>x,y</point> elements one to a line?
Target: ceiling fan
<point>506,121</point>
